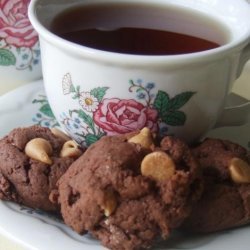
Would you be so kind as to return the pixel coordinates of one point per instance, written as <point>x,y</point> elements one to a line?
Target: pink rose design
<point>117,116</point>
<point>15,26</point>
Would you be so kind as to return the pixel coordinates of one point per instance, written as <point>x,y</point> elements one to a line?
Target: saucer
<point>35,229</point>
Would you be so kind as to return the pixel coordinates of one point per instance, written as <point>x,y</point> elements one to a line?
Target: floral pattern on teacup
<point>19,44</point>
<point>116,116</point>
<point>98,114</point>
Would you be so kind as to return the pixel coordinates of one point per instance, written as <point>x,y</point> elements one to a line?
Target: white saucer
<point>37,230</point>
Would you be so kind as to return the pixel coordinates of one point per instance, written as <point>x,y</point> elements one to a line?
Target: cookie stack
<point>128,190</point>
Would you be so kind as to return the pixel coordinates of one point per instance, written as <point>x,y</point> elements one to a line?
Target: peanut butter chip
<point>58,133</point>
<point>70,149</point>
<point>110,203</point>
<point>158,165</point>
<point>239,171</point>
<point>144,138</point>
<point>39,149</point>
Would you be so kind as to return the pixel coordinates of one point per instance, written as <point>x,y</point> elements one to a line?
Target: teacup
<point>19,46</point>
<point>95,92</point>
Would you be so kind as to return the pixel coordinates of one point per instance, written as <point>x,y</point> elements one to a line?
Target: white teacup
<point>94,92</point>
<point>19,46</point>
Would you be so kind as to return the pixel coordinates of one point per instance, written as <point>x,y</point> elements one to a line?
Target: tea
<point>137,29</point>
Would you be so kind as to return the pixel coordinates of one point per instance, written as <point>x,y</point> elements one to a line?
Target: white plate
<point>37,230</point>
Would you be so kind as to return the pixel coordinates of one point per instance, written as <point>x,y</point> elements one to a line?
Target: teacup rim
<point>131,59</point>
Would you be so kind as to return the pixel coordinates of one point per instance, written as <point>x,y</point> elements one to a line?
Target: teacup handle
<point>245,56</point>
<point>239,114</point>
<point>235,115</point>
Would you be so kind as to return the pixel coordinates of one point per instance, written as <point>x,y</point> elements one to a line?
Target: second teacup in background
<point>19,46</point>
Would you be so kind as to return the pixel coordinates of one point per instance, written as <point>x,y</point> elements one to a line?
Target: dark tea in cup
<point>138,29</point>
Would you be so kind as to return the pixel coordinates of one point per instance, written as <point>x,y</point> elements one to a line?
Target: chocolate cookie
<point>30,166</point>
<point>225,202</point>
<point>126,192</point>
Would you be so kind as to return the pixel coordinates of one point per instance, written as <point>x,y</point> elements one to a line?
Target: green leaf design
<point>175,118</point>
<point>90,139</point>
<point>46,110</point>
<point>76,96</point>
<point>86,118</point>
<point>72,89</point>
<point>99,93</point>
<point>161,102</point>
<point>7,58</point>
<point>179,100</point>
<point>139,90</point>
<point>131,82</point>
<point>39,101</point>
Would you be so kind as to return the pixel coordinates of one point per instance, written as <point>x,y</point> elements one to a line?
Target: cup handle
<point>235,115</point>
<point>245,56</point>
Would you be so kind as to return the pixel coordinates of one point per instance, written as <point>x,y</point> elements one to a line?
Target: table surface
<point>241,87</point>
